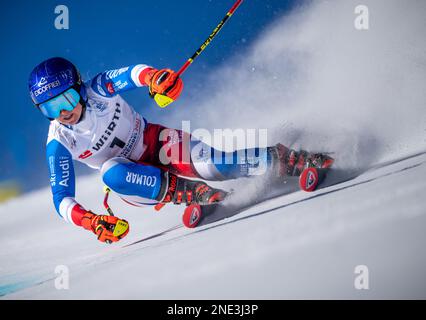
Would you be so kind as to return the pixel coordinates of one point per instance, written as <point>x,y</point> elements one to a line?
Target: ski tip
<point>309,179</point>
<point>191,216</point>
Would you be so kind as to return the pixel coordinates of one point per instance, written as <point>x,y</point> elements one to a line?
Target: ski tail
<point>192,215</point>
<point>310,178</point>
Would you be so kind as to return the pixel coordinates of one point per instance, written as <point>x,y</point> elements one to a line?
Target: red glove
<point>108,228</point>
<point>165,82</point>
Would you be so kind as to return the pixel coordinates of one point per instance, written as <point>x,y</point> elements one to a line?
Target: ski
<point>310,179</point>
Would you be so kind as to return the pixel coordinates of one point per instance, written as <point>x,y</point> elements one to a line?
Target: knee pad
<point>134,182</point>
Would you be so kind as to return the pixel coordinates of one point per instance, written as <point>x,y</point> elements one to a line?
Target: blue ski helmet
<point>53,77</point>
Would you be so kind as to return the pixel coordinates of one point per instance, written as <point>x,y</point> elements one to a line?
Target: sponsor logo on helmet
<point>47,87</point>
<point>42,82</point>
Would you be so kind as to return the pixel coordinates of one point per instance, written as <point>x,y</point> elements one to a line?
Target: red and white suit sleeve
<point>138,74</point>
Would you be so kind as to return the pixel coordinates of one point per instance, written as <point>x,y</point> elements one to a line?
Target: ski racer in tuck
<point>91,123</point>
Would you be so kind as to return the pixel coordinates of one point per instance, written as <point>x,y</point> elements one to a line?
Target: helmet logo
<point>42,82</point>
<point>47,87</point>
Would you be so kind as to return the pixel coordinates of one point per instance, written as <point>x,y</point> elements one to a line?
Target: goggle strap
<point>65,96</point>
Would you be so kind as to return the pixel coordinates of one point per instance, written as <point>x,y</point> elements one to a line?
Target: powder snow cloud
<point>317,82</point>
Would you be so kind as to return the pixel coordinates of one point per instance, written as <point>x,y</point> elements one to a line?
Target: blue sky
<point>105,35</point>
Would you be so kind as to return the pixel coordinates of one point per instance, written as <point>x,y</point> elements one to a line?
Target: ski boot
<point>288,162</point>
<point>182,190</point>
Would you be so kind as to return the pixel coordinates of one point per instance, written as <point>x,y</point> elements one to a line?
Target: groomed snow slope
<point>295,246</point>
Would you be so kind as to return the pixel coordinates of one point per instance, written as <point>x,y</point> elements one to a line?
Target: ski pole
<point>163,100</point>
<point>121,226</point>
<point>210,38</point>
<point>106,205</point>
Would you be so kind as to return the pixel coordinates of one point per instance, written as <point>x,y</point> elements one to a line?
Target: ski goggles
<point>67,100</point>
